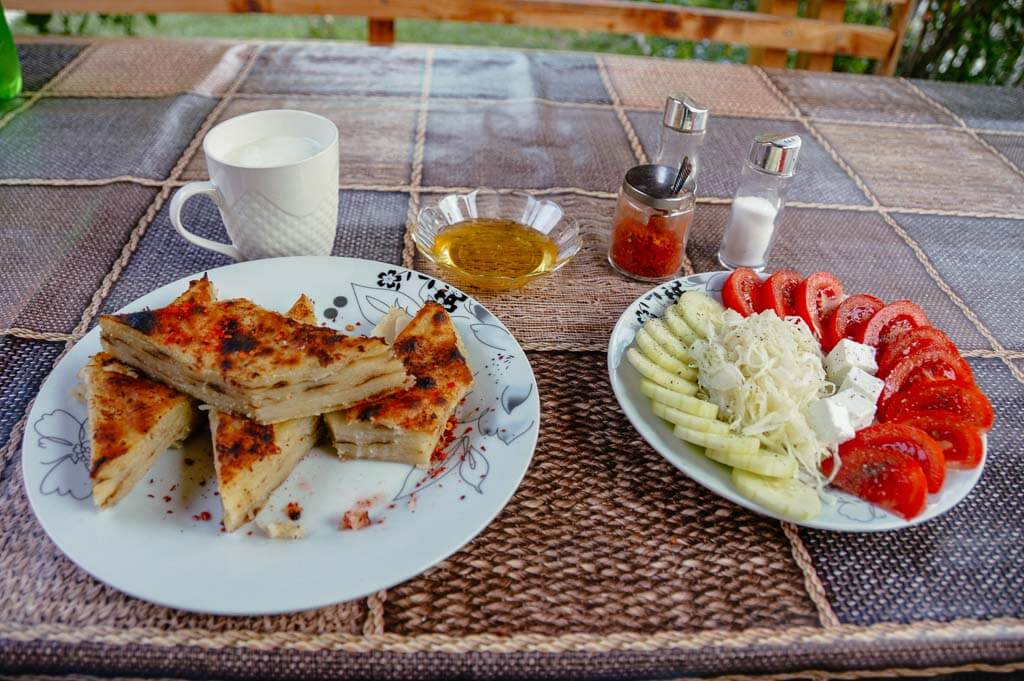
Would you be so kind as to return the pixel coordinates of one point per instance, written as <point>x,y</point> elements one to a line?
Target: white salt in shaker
<point>759,199</point>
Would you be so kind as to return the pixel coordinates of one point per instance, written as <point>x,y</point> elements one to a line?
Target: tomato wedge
<point>906,439</point>
<point>963,399</point>
<point>910,342</point>
<point>932,364</point>
<point>886,478</point>
<point>815,297</point>
<point>960,441</point>
<point>892,321</point>
<point>777,293</point>
<point>847,320</point>
<point>738,291</point>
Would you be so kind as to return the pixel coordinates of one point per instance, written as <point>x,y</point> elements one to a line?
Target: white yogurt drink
<point>270,152</point>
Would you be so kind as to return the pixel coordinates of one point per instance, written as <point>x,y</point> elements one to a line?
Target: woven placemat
<point>50,274</point>
<point>856,98</point>
<point>605,536</point>
<point>723,88</point>
<point>927,178</point>
<point>39,63</point>
<point>128,68</point>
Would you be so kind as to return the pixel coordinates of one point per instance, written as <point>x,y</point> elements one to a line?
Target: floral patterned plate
<point>845,513</point>
<point>163,542</point>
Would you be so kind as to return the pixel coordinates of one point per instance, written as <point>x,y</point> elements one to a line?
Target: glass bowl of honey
<point>496,241</point>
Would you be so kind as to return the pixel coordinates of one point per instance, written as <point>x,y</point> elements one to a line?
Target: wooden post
<point>827,10</point>
<point>771,57</point>
<point>899,19</point>
<point>382,31</point>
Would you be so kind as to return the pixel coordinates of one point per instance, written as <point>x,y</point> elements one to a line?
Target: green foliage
<point>967,40</point>
<point>867,13</point>
<point>81,24</point>
<point>40,22</point>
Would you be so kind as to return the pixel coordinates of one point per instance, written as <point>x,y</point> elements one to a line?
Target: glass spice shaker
<point>682,133</point>
<point>651,223</point>
<point>759,198</point>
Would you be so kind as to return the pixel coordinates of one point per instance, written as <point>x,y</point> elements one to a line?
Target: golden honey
<point>492,253</point>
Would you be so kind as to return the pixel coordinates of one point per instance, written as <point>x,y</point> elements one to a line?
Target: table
<point>608,561</point>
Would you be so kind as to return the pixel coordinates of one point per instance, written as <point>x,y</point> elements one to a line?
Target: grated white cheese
<point>764,373</point>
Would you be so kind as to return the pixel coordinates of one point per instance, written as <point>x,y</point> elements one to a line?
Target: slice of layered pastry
<point>133,419</point>
<point>406,426</point>
<point>237,356</point>
<point>251,460</point>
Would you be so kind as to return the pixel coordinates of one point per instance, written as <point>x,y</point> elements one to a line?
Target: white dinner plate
<point>845,513</point>
<point>155,544</point>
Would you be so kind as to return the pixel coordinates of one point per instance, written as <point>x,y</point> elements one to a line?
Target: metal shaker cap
<point>651,185</point>
<point>775,153</point>
<point>684,115</point>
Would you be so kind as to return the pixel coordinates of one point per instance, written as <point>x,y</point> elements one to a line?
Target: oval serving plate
<point>156,545</point>
<point>846,514</point>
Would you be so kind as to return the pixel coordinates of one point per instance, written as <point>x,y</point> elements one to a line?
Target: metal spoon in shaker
<point>685,168</point>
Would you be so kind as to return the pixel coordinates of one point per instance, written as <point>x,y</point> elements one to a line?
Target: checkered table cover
<point>608,561</point>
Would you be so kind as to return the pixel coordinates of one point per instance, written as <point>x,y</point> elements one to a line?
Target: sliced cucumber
<point>762,462</point>
<point>654,352</point>
<point>691,405</point>
<point>669,343</point>
<point>736,444</point>
<point>680,329</point>
<point>681,418</point>
<point>702,313</point>
<point>652,371</point>
<point>786,496</point>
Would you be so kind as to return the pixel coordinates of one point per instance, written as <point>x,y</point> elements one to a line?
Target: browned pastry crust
<point>133,419</point>
<point>251,459</point>
<point>407,425</point>
<point>242,358</point>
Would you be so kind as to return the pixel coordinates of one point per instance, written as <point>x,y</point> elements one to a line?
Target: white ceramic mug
<point>274,177</point>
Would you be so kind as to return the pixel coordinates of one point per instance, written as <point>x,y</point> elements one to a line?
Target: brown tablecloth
<point>608,561</point>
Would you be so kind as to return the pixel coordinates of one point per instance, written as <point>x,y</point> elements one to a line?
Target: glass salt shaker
<point>682,133</point>
<point>651,224</point>
<point>759,200</point>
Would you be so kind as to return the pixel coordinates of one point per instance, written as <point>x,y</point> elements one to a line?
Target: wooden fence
<point>771,32</point>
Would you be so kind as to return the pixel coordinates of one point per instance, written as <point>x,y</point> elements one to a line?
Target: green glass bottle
<point>10,67</point>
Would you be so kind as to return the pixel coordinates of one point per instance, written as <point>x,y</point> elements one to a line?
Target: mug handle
<point>178,202</point>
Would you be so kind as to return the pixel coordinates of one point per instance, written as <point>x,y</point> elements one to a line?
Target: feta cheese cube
<point>859,406</point>
<point>864,383</point>
<point>846,355</point>
<point>830,421</point>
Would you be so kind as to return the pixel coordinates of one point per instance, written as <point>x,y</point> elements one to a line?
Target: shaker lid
<point>682,114</point>
<point>775,153</point>
<point>651,185</point>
